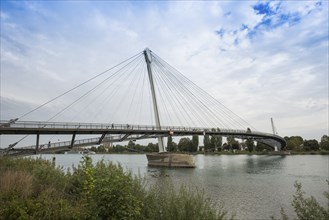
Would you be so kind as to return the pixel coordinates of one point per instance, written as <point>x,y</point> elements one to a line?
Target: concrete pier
<point>170,160</point>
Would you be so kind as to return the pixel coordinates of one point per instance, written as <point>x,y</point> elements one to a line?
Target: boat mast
<point>148,59</point>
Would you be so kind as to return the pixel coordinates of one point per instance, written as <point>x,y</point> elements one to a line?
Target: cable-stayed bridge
<point>143,89</point>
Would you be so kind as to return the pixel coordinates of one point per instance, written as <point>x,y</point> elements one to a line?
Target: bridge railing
<point>111,126</point>
<point>72,125</point>
<point>76,142</point>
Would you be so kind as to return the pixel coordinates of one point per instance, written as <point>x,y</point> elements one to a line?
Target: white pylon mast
<point>148,59</point>
<point>273,127</point>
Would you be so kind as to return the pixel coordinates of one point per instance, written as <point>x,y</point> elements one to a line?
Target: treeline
<point>214,143</point>
<point>297,143</point>
<point>130,147</point>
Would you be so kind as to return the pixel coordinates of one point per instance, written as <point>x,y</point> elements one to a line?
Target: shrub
<point>164,202</point>
<point>114,193</point>
<point>307,208</point>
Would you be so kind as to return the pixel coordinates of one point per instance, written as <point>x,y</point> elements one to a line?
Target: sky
<point>261,59</point>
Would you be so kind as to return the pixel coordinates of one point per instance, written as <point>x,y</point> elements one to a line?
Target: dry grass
<point>16,181</point>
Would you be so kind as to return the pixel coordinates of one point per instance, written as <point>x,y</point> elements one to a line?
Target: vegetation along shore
<point>214,145</point>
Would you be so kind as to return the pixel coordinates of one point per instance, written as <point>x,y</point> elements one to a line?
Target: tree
<point>230,140</point>
<point>225,146</point>
<point>294,142</point>
<point>311,145</point>
<point>324,138</point>
<point>195,143</point>
<point>234,144</point>
<point>101,149</point>
<point>131,145</point>
<point>174,146</point>
<point>170,146</point>
<point>139,148</point>
<point>119,148</point>
<point>250,144</point>
<point>93,148</point>
<point>206,142</point>
<point>185,144</point>
<point>215,141</point>
<point>324,144</point>
<point>152,147</point>
<point>260,147</point>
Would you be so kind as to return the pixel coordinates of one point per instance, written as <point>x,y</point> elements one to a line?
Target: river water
<point>251,186</point>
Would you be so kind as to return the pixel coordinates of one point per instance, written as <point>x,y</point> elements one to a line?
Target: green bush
<point>108,192</point>
<point>114,193</point>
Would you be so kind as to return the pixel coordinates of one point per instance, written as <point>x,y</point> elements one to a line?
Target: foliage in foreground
<point>307,208</point>
<point>35,189</point>
<point>187,203</point>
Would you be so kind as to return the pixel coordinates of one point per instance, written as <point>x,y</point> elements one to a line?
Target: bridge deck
<point>123,132</point>
<point>39,127</point>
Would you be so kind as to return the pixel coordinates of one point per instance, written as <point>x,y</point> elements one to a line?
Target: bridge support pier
<point>72,141</point>
<point>124,137</point>
<point>37,144</point>
<point>101,138</point>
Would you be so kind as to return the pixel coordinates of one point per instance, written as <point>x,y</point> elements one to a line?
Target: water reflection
<point>263,164</point>
<point>158,173</point>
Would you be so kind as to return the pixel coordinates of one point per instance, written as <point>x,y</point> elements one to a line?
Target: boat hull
<point>170,160</point>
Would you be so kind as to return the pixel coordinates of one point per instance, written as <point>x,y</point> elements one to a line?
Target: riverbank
<point>264,153</point>
<point>228,153</point>
<point>36,189</point>
<point>225,153</point>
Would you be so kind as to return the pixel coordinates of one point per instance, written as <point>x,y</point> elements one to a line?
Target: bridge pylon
<point>148,60</point>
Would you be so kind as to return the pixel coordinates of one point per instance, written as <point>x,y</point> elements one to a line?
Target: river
<point>251,186</point>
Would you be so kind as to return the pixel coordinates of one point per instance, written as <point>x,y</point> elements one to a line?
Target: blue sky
<point>262,59</point>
